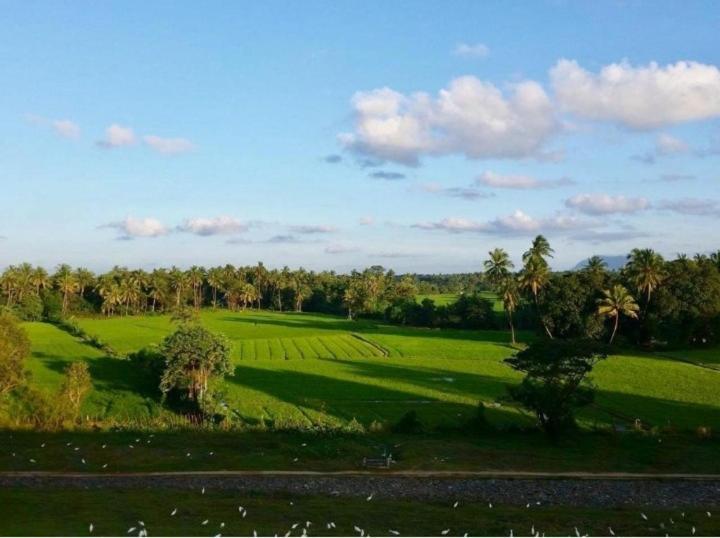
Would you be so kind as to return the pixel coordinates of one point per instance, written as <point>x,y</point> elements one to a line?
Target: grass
<point>444,299</point>
<point>70,513</point>
<point>127,451</point>
<point>301,370</point>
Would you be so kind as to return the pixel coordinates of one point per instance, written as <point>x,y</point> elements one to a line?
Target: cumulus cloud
<point>117,136</point>
<point>168,146</point>
<point>312,229</point>
<point>605,204</point>
<point>477,50</point>
<point>692,206</point>
<point>390,176</point>
<point>213,226</point>
<point>501,181</point>
<point>133,227</point>
<point>469,117</point>
<point>642,97</point>
<point>517,223</point>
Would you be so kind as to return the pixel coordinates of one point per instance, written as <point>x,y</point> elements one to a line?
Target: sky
<point>339,135</point>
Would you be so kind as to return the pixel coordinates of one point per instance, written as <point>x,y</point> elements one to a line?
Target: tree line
<point>649,300</point>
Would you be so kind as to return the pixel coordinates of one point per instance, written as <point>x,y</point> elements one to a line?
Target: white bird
<point>173,512</point>
<point>708,514</point>
<point>83,461</point>
<point>131,446</point>
<point>91,527</point>
<point>444,533</point>
<point>394,533</point>
<point>188,454</point>
<point>370,497</point>
<point>532,531</point>
<point>42,445</point>
<point>643,516</point>
<point>254,533</point>
<point>693,531</point>
<point>612,533</point>
<point>141,523</point>
<point>489,505</point>
<point>244,513</point>
<point>287,534</point>
<point>240,508</point>
<point>32,460</point>
<point>577,532</point>
<point>212,453</point>
<point>131,530</point>
<point>218,535</point>
<point>295,526</point>
<point>308,523</point>
<point>104,446</point>
<point>456,504</point>
<point>527,505</point>
<point>202,492</point>
<point>104,466</point>
<point>511,533</point>
<point>357,529</point>
<point>205,522</point>
<point>222,525</point>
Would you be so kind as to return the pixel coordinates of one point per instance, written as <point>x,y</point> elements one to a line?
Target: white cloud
<point>117,136</point>
<point>517,223</point>
<point>66,128</point>
<point>466,193</point>
<point>312,229</point>
<point>367,220</point>
<point>144,227</point>
<point>213,226</point>
<point>469,117</point>
<point>666,144</point>
<point>500,181</point>
<point>168,146</point>
<point>477,50</point>
<point>604,204</point>
<point>692,206</point>
<point>643,97</point>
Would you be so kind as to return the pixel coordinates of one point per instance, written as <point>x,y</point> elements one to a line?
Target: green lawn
<point>303,369</point>
<point>122,512</point>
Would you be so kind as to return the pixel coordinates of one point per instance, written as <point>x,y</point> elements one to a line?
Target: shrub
<point>408,423</point>
<point>14,349</point>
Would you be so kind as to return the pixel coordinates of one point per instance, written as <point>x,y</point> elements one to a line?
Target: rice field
<point>295,369</point>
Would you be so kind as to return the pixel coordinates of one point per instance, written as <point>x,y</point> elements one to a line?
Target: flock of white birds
<point>141,530</point>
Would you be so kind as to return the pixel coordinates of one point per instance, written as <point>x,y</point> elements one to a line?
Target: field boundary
<point>381,349</point>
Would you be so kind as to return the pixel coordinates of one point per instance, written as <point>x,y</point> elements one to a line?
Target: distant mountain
<point>613,262</point>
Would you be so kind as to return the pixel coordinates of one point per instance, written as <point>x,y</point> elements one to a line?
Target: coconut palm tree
<point>508,289</point>
<point>534,276</point>
<point>40,279</point>
<point>85,279</point>
<point>617,302</point>
<point>498,266</point>
<point>645,268</point>
<point>66,283</point>
<point>539,250</point>
<point>215,281</point>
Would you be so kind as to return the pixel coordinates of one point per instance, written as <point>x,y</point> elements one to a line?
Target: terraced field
<point>300,369</point>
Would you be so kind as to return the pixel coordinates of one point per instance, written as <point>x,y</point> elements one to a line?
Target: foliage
<point>75,387</point>
<point>408,423</point>
<point>554,374</point>
<point>193,356</point>
<point>14,350</point>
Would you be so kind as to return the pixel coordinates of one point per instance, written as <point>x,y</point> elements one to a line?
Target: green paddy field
<point>305,369</point>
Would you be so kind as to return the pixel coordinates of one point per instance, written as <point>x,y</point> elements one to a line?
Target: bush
<point>408,423</point>
<point>14,349</point>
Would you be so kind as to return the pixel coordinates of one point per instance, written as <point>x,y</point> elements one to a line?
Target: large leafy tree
<point>508,291</point>
<point>193,357</point>
<point>617,302</point>
<point>555,381</point>
<point>14,349</point>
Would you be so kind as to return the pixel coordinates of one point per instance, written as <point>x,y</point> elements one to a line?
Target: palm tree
<point>498,266</point>
<point>40,279</point>
<point>595,265</point>
<point>215,281</point>
<point>85,279</point>
<point>195,277</point>
<point>177,280</point>
<point>509,293</point>
<point>617,301</point>
<point>539,250</point>
<point>66,283</point>
<point>645,268</point>
<point>534,276</point>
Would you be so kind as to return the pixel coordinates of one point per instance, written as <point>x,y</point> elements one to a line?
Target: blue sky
<point>415,135</point>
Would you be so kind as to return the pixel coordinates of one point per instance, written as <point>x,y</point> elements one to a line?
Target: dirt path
<point>569,489</point>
